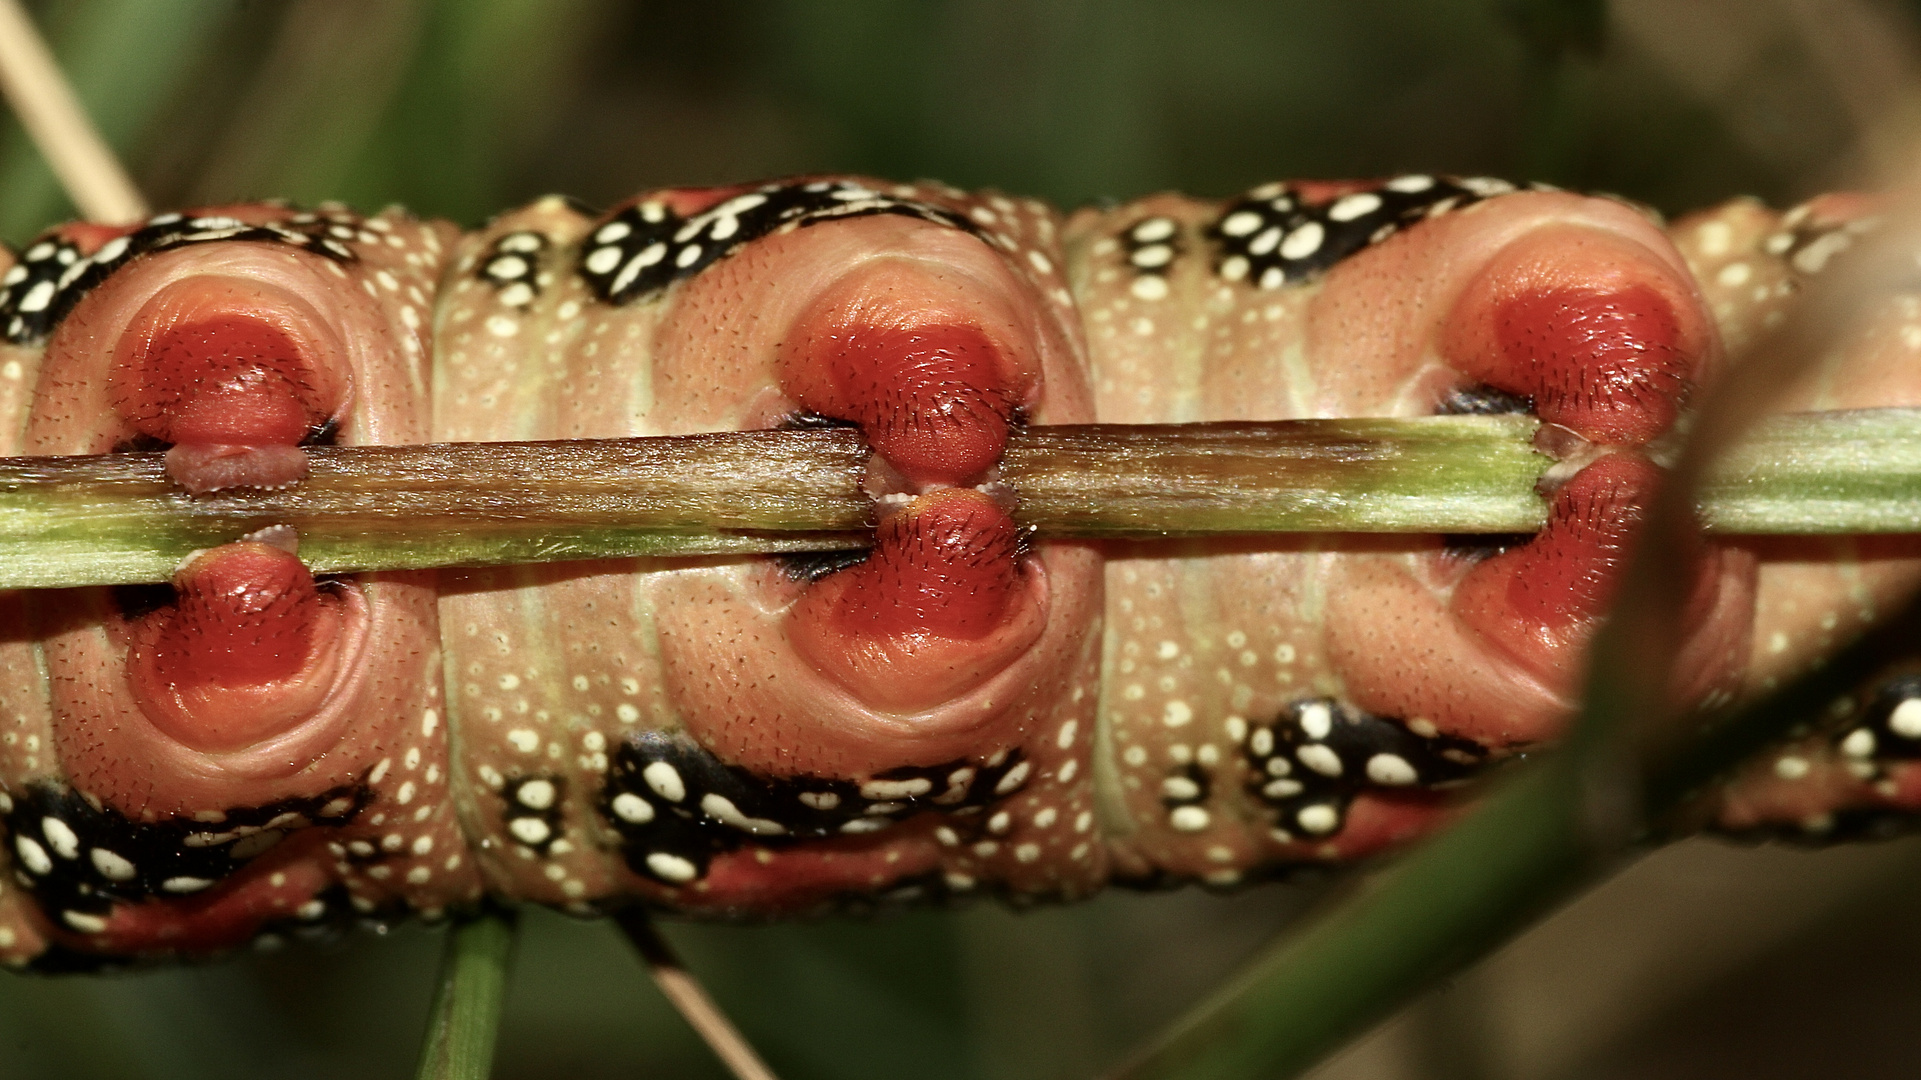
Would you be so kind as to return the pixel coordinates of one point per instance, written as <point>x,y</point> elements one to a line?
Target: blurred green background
<point>1703,961</point>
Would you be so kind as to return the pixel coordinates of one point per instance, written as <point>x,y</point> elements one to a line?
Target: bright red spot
<point>225,378</point>
<point>1607,364</point>
<point>932,400</point>
<point>243,654</point>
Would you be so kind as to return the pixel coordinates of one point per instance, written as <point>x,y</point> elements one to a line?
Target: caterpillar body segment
<point>252,749</point>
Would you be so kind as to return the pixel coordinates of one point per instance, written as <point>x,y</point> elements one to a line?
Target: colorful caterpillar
<point>251,748</point>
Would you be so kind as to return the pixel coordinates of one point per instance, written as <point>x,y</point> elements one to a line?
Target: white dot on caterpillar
<point>83,922</point>
<point>1349,207</point>
<point>1180,787</point>
<point>1319,819</point>
<point>32,855</point>
<point>60,837</point>
<point>1391,770</point>
<point>1859,744</point>
<point>1188,818</point>
<point>1320,758</point>
<point>1240,223</point>
<point>111,865</point>
<point>1149,287</point>
<point>1153,230</point>
<point>1905,720</point>
<point>1317,720</point>
<point>665,781</point>
<point>896,789</point>
<point>530,830</point>
<point>1015,777</point>
<point>1303,241</point>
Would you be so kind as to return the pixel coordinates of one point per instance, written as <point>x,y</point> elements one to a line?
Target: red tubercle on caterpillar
<point>896,348</point>
<point>246,652</point>
<point>932,400</point>
<point>1601,332</point>
<point>229,378</point>
<point>941,605</point>
<point>1538,603</point>
<point>234,376</point>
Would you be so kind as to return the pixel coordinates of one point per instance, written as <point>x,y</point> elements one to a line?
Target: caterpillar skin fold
<point>251,749</point>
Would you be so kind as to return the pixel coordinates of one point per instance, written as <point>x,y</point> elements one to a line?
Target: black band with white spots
<point>1269,237</point>
<point>533,814</point>
<point>676,806</point>
<point>79,858</point>
<point>646,247</point>
<point>52,276</point>
<point>1888,728</point>
<point>1312,761</point>
<point>515,266</point>
<point>1152,245</point>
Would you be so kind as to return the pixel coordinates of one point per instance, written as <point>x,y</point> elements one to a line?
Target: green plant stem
<point>1471,474</point>
<point>465,1022</point>
<point>116,519</point>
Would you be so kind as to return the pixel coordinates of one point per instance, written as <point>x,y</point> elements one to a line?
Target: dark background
<point>1705,960</point>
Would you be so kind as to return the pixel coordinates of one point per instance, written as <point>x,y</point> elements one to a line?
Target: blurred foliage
<point>464,107</point>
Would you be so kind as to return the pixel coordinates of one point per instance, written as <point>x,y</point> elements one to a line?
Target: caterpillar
<point>962,710</point>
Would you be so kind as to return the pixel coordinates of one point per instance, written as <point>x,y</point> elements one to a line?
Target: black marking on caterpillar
<point>1313,759</point>
<point>647,246</point>
<point>1153,244</point>
<point>328,915</point>
<point>52,276</point>
<point>78,858</point>
<point>514,266</point>
<point>533,816</point>
<point>1807,245</point>
<point>1886,729</point>
<point>676,806</point>
<point>1484,400</point>
<point>1270,237</point>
